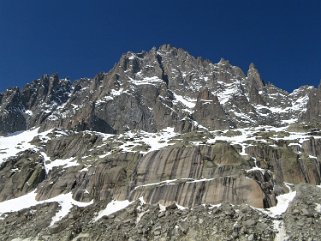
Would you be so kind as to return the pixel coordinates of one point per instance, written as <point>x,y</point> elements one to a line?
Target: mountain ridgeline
<point>164,87</point>
<point>165,147</point>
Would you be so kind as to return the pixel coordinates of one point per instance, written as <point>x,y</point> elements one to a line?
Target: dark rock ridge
<point>153,90</point>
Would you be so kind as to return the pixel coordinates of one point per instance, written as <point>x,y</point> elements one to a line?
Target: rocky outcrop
<point>286,164</point>
<point>20,175</point>
<point>303,215</point>
<point>209,113</point>
<point>191,176</point>
<point>254,78</point>
<point>313,112</point>
<point>73,145</point>
<point>31,106</point>
<point>12,118</point>
<point>104,180</point>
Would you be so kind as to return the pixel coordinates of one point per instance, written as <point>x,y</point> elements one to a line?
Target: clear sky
<point>79,38</point>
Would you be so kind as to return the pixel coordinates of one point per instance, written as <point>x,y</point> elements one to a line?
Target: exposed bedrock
<point>21,174</point>
<point>287,165</point>
<point>199,174</point>
<point>104,180</point>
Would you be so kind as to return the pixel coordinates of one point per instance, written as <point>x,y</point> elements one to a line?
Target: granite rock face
<point>208,111</point>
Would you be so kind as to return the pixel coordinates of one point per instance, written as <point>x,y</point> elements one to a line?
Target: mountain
<point>165,87</point>
<point>165,146</point>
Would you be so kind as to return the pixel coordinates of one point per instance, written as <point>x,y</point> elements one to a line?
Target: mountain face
<point>165,146</point>
<point>150,91</point>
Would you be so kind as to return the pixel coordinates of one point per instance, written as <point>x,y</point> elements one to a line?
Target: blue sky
<point>79,38</point>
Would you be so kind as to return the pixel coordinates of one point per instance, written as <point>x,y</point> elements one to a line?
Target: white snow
<point>112,207</point>
<point>12,144</point>
<point>282,205</point>
<point>104,99</point>
<point>147,80</point>
<point>246,135</point>
<point>140,215</point>
<point>256,168</point>
<point>188,102</point>
<point>159,183</point>
<point>201,180</point>
<point>142,200</point>
<point>318,207</point>
<point>70,162</point>
<point>16,204</point>
<point>294,144</point>
<point>290,121</point>
<point>132,57</point>
<point>230,89</point>
<point>172,181</point>
<point>244,117</point>
<point>312,157</point>
<point>24,239</point>
<point>116,92</point>
<point>279,226</point>
<point>160,140</point>
<point>66,202</point>
<point>162,208</point>
<point>180,207</point>
<point>29,112</point>
<point>156,141</point>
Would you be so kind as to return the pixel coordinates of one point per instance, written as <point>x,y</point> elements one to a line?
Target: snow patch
<point>16,142</point>
<point>70,162</point>
<point>318,207</point>
<point>147,80</point>
<point>66,202</point>
<point>282,205</point>
<point>156,141</point>
<point>188,102</point>
<point>230,89</point>
<point>112,207</point>
<point>29,112</point>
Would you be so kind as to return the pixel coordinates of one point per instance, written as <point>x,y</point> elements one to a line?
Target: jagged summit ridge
<point>150,91</point>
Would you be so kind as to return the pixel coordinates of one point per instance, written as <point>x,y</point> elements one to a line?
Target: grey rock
<point>20,175</point>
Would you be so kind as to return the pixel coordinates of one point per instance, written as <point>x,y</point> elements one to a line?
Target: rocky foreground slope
<point>165,146</point>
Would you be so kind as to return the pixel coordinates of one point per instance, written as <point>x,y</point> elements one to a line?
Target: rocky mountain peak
<point>223,62</point>
<point>254,77</point>
<point>167,48</point>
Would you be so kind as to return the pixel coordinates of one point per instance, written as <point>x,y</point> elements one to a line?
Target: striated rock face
<point>235,190</point>
<point>203,174</point>
<point>165,146</point>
